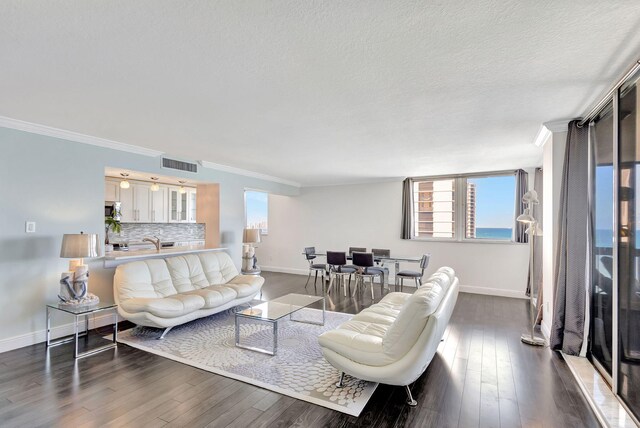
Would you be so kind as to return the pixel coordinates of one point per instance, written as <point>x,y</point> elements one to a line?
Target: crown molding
<point>49,131</point>
<point>247,173</point>
<point>561,125</point>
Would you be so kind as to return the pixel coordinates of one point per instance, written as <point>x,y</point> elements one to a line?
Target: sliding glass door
<point>628,370</point>
<point>601,140</point>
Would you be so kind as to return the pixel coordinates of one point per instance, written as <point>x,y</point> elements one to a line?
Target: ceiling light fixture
<point>155,187</point>
<point>182,189</point>
<point>124,184</point>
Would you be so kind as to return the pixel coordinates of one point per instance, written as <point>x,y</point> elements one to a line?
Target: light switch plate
<point>30,227</point>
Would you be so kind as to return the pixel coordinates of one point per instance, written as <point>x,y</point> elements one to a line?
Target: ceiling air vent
<point>181,165</point>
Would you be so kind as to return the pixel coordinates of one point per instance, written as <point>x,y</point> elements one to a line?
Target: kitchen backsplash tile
<point>135,232</point>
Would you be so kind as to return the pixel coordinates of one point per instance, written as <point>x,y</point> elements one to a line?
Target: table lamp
<point>250,237</point>
<point>74,283</point>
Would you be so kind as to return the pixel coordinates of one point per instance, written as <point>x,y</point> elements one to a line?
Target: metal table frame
<point>76,333</point>
<point>274,324</point>
<point>382,259</point>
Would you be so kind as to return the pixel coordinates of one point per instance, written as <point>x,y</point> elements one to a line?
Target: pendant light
<point>155,187</point>
<point>124,184</point>
<point>182,189</point>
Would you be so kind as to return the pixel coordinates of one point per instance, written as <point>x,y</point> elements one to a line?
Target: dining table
<point>396,260</point>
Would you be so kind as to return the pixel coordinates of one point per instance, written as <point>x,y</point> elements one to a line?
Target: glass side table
<point>78,313</point>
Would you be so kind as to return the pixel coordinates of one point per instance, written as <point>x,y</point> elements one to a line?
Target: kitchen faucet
<point>155,242</point>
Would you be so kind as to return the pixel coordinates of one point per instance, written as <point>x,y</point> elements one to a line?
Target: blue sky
<point>604,197</point>
<point>257,206</point>
<point>495,201</point>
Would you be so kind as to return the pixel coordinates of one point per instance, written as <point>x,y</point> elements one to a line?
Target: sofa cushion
<point>411,320</point>
<point>187,273</point>
<point>214,295</point>
<point>246,285</point>
<point>361,341</point>
<point>143,279</point>
<point>218,267</point>
<point>165,307</point>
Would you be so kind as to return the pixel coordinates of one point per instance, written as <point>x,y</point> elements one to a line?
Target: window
<point>490,207</point>
<point>486,209</point>
<point>256,209</point>
<point>434,208</point>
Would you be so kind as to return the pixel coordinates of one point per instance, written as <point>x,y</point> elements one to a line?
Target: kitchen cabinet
<point>182,206</point>
<point>111,190</point>
<point>136,203</point>
<point>160,205</point>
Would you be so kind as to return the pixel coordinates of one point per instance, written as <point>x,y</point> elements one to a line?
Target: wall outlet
<point>30,227</point>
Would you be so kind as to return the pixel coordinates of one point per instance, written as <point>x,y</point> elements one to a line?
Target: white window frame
<point>460,208</point>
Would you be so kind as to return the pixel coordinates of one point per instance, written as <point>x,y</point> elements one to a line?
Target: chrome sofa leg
<point>410,400</point>
<point>340,383</point>
<point>164,333</point>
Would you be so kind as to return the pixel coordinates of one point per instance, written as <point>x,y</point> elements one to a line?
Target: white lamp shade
<point>124,184</point>
<point>80,245</point>
<point>251,236</point>
<point>526,217</point>
<point>531,197</point>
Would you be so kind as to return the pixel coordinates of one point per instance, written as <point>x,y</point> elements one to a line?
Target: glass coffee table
<point>275,310</point>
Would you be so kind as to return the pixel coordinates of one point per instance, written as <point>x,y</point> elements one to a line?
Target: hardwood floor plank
<point>481,375</point>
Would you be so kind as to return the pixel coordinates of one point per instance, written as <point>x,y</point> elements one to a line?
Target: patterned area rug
<point>298,369</point>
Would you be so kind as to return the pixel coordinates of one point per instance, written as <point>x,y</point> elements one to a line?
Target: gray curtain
<point>521,188</point>
<point>567,331</point>
<point>407,208</point>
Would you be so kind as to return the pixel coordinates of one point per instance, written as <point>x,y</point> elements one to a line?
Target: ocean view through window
<point>464,207</point>
<point>490,207</point>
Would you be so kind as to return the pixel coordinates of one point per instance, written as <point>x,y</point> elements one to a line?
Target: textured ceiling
<point>316,92</point>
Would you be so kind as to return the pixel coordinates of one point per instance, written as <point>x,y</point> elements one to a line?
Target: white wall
<point>59,184</point>
<point>369,215</point>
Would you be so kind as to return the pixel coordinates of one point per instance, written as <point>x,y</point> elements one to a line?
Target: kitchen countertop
<point>115,258</point>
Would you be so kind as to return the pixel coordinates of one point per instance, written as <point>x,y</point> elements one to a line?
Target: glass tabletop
<point>82,309</point>
<point>280,307</point>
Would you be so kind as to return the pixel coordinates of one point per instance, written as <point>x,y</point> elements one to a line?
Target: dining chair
<point>417,276</point>
<point>338,269</point>
<point>364,264</point>
<point>379,252</point>
<point>351,251</point>
<point>310,255</point>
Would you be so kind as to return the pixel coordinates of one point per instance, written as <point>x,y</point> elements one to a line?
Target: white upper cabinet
<point>111,191</point>
<point>142,202</point>
<point>160,205</point>
<point>127,208</point>
<point>191,205</point>
<point>182,206</point>
<point>141,205</point>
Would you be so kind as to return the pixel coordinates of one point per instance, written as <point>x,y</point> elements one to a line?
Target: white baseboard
<point>40,336</point>
<point>493,291</point>
<point>463,288</point>
<point>546,329</point>
<point>293,271</point>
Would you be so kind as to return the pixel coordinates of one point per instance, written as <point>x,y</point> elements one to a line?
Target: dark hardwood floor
<point>482,375</point>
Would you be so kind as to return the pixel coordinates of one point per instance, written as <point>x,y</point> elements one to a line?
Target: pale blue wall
<point>59,184</point>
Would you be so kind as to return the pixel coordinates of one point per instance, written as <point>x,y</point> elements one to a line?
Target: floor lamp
<point>531,198</point>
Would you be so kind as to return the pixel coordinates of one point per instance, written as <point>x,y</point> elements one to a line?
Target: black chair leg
<point>315,280</point>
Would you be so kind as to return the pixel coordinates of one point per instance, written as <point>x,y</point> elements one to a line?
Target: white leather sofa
<point>167,292</point>
<point>394,341</point>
